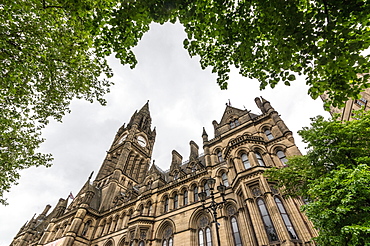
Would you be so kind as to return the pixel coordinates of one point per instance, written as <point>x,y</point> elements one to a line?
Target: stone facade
<point>346,113</point>
<point>133,203</point>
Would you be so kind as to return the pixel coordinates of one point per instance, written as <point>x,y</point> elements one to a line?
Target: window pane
<point>208,236</point>
<point>282,157</point>
<point>141,243</point>
<point>185,197</point>
<point>166,205</point>
<point>201,238</point>
<point>164,243</point>
<point>269,134</point>
<point>170,242</point>
<point>286,219</point>
<point>219,156</point>
<point>195,194</point>
<point>259,159</point>
<point>235,228</point>
<point>245,161</point>
<point>270,230</point>
<point>175,201</point>
<point>224,180</point>
<point>206,189</point>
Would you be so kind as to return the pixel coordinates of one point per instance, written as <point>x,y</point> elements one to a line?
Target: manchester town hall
<point>219,196</point>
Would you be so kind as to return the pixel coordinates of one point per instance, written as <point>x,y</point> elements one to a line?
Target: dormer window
<point>176,176</point>
<point>234,123</point>
<point>269,134</point>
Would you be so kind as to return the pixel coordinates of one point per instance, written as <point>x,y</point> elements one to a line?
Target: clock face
<point>141,140</point>
<point>123,138</point>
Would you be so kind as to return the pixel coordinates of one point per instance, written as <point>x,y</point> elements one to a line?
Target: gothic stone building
<point>131,203</point>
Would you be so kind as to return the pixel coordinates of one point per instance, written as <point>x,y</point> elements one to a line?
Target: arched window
<point>175,201</point>
<point>176,176</point>
<point>142,243</point>
<point>219,156</point>
<point>167,237</point>
<point>282,157</point>
<point>86,228</point>
<point>204,233</point>
<point>150,208</point>
<point>260,160</point>
<point>185,197</point>
<point>234,123</point>
<point>141,210</point>
<point>195,193</point>
<point>287,222</point>
<point>269,134</point>
<point>206,189</point>
<point>236,233</point>
<point>224,180</point>
<point>165,209</point>
<point>201,238</point>
<point>269,227</point>
<point>245,161</point>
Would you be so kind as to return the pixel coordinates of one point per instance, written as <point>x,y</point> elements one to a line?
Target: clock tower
<point>128,159</point>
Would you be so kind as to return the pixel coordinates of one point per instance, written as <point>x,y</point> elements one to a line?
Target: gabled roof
<point>230,112</point>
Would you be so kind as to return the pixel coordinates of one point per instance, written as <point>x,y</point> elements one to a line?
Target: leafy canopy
<point>334,176</point>
<point>55,50</point>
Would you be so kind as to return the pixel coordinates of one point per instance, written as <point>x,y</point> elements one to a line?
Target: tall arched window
<point>225,181</point>
<point>236,233</point>
<point>282,157</point>
<point>208,237</point>
<point>150,209</point>
<point>185,197</point>
<point>270,229</point>
<point>195,194</point>
<point>287,222</point>
<point>245,161</point>
<point>165,205</point>
<point>219,156</point>
<point>201,238</point>
<point>142,243</point>
<point>204,233</point>
<point>175,201</point>
<point>168,237</point>
<point>269,134</point>
<point>260,160</point>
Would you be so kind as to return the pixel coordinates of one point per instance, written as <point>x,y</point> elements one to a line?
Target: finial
<point>91,175</point>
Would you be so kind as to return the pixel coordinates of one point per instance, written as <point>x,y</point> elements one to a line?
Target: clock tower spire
<point>130,153</point>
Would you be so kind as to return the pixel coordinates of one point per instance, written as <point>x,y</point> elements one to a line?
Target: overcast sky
<point>183,98</point>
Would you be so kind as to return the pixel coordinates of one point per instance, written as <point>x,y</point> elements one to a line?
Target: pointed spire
<point>145,109</point>
<point>204,135</point>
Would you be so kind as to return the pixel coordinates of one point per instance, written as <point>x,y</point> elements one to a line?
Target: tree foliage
<point>55,50</point>
<point>334,176</point>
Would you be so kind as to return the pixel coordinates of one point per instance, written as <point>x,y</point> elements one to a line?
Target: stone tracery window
<point>167,237</point>
<point>204,232</point>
